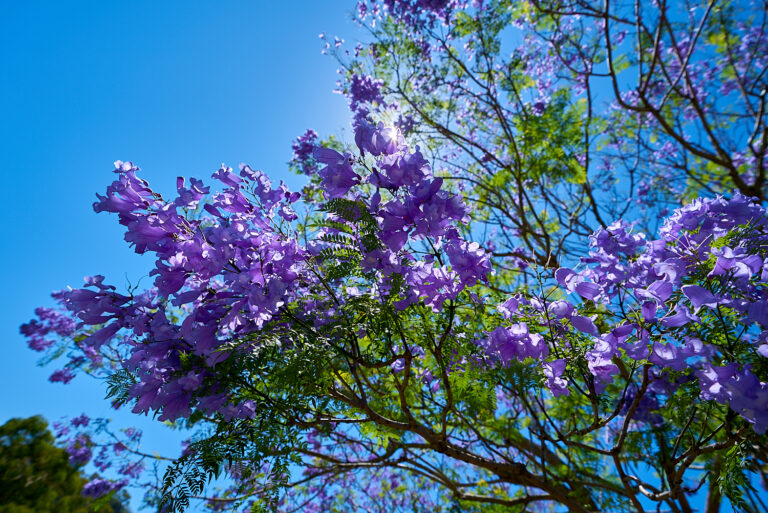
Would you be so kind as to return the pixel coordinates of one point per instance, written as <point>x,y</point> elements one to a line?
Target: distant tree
<point>37,477</point>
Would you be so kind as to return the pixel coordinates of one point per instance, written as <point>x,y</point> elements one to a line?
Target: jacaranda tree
<point>536,281</point>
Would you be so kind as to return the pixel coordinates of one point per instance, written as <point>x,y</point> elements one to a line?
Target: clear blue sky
<point>177,88</point>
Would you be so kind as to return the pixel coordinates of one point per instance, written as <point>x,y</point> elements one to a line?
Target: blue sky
<point>177,88</point>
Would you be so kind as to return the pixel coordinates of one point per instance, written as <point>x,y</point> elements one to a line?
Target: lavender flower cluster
<point>228,264</point>
<point>693,302</point>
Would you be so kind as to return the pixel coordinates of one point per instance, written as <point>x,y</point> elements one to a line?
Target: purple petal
<point>681,317</point>
<point>584,324</point>
<point>508,307</point>
<point>758,312</point>
<point>700,296</point>
<point>562,274</point>
<point>588,290</point>
<point>667,355</point>
<point>649,310</point>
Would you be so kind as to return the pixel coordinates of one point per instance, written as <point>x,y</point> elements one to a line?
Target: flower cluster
<point>418,209</point>
<point>236,269</point>
<point>413,13</point>
<point>364,90</point>
<point>48,321</point>
<point>302,158</point>
<point>707,273</point>
<point>99,487</point>
<point>83,437</point>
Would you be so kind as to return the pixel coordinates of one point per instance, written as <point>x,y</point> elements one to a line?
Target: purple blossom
<point>81,421</point>
<point>303,149</point>
<point>668,355</point>
<point>338,176</point>
<point>364,89</point>
<point>190,198</point>
<point>79,450</point>
<point>401,170</point>
<point>377,140</point>
<point>62,376</point>
<point>649,309</point>
<point>700,296</point>
<point>560,309</point>
<point>681,317</point>
<point>568,278</point>
<point>584,324</point>
<point>508,307</point>
<point>99,487</point>
<point>553,371</point>
<point>469,260</point>
<point>587,290</point>
<point>600,361</point>
<point>515,342</point>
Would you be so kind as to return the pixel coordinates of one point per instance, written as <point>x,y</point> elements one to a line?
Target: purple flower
<point>189,198</point>
<point>648,310</point>
<point>739,389</point>
<point>81,421</point>
<point>516,342</point>
<point>616,239</point>
<point>132,470</point>
<point>377,140</point>
<point>736,260</point>
<point>568,278</point>
<point>401,170</point>
<point>79,450</point>
<point>227,177</point>
<point>553,371</point>
<point>508,307</point>
<point>337,176</point>
<point>587,290</point>
<point>99,487</point>
<point>681,317</point>
<point>39,344</point>
<point>364,89</point>
<point>469,260</point>
<point>61,376</point>
<point>659,291</point>
<point>127,194</point>
<point>700,296</point>
<point>101,336</point>
<point>668,355</point>
<point>561,309</point>
<point>758,312</point>
<point>303,148</point>
<point>584,324</point>
<point>600,361</point>
<point>398,365</point>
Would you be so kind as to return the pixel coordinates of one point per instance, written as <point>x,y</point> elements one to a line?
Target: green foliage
<point>118,386</point>
<point>732,479</point>
<point>247,448</point>
<point>354,212</point>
